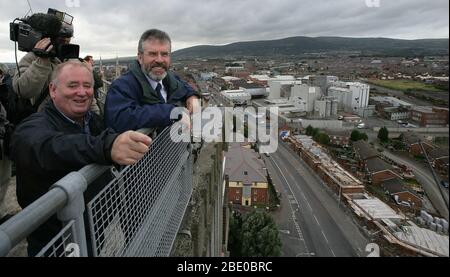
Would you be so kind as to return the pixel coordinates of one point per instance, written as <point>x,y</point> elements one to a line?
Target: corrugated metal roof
<point>425,239</point>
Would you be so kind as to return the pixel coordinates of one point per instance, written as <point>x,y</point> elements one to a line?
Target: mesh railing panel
<point>62,245</point>
<point>140,211</point>
<point>101,99</point>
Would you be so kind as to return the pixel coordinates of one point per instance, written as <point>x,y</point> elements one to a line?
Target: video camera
<point>53,25</point>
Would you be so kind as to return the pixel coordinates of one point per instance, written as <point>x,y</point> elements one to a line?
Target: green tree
<point>309,130</point>
<point>354,136</point>
<point>316,136</point>
<point>260,236</point>
<point>357,135</point>
<point>235,236</point>
<point>383,134</point>
<point>315,132</point>
<point>322,138</point>
<point>363,136</point>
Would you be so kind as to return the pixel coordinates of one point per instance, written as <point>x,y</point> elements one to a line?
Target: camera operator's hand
<point>42,48</point>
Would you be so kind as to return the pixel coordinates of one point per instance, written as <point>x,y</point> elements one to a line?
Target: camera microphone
<point>48,24</point>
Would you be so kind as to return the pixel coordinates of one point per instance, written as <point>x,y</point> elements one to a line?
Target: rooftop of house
<point>244,165</point>
<point>364,150</point>
<point>375,165</point>
<point>438,153</point>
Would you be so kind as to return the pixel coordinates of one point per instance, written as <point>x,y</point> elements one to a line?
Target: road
<point>310,220</point>
<point>425,178</point>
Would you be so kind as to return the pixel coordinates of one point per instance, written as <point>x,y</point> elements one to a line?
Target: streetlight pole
<point>340,194</point>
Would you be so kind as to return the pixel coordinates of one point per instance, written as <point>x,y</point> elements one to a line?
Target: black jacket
<point>47,146</point>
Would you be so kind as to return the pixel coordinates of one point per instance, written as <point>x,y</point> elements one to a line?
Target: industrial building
<point>394,113</point>
<point>235,66</point>
<point>255,90</point>
<point>281,88</point>
<point>236,97</point>
<point>352,96</point>
<point>306,93</point>
<point>326,107</point>
<point>392,108</point>
<point>391,101</point>
<point>430,116</point>
<point>322,81</point>
<point>285,107</point>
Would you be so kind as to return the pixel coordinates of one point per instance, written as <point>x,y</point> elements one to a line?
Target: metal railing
<point>137,214</point>
<point>101,99</point>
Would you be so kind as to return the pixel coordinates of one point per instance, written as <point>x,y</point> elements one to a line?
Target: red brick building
<point>430,116</point>
<point>246,177</point>
<point>336,177</point>
<point>397,189</point>
<point>380,171</point>
<point>439,160</point>
<point>411,141</point>
<point>339,138</point>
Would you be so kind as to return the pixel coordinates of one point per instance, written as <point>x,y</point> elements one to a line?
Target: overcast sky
<point>114,28</point>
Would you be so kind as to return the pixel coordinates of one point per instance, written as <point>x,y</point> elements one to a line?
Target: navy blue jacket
<point>131,103</point>
<point>46,147</point>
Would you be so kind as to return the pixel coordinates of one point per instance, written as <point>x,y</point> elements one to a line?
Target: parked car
<point>444,184</point>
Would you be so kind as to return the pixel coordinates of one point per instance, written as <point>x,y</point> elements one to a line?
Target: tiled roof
<point>244,165</point>
<point>364,150</point>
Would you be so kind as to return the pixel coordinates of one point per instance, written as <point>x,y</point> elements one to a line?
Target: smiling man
<point>64,137</point>
<point>146,95</point>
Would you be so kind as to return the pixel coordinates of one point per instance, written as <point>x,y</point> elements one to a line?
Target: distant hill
<point>122,60</point>
<point>303,46</point>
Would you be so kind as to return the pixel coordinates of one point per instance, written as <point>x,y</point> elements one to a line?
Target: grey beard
<point>152,76</point>
<point>157,78</point>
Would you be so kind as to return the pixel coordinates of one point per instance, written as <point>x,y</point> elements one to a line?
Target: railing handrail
<point>18,227</point>
<point>26,221</point>
<point>106,82</point>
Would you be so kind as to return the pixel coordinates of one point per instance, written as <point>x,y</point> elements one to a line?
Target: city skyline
<point>192,23</point>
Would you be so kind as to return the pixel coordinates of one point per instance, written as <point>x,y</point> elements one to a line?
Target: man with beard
<point>146,95</point>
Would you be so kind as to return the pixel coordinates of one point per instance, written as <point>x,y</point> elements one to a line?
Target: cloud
<point>110,28</point>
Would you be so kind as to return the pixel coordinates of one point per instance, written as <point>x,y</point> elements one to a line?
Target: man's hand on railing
<point>130,147</point>
<point>193,104</point>
<point>186,121</point>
